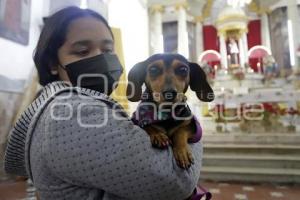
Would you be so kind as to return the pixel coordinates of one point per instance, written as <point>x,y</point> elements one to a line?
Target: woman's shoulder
<point>66,99</point>
<point>63,92</point>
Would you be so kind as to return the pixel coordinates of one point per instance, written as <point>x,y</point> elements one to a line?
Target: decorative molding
<point>239,30</point>
<point>207,9</point>
<point>157,8</point>
<point>253,7</point>
<point>198,19</point>
<point>183,5</point>
<point>231,18</point>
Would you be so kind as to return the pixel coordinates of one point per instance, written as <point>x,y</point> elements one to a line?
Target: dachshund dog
<point>163,112</point>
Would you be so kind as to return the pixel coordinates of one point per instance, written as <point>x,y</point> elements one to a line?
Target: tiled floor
<point>234,191</point>
<point>10,190</point>
<point>221,191</point>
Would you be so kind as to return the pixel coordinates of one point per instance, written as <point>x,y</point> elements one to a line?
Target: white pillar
<point>293,32</point>
<point>265,32</point>
<point>223,51</point>
<point>245,44</point>
<point>183,40</point>
<point>199,37</point>
<point>242,53</point>
<point>157,35</point>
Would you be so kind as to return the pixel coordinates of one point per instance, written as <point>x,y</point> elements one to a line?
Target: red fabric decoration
<point>254,38</point>
<point>254,33</point>
<point>210,38</point>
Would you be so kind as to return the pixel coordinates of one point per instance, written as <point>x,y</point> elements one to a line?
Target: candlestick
<point>259,68</point>
<point>229,60</point>
<point>215,68</point>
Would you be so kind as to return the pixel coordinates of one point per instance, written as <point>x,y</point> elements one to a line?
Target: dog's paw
<point>160,140</point>
<point>183,157</point>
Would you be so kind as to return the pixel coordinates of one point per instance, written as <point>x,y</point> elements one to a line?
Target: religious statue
<point>233,51</point>
<point>270,67</point>
<point>209,71</point>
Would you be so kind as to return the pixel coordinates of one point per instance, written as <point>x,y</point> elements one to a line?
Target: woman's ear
<point>54,70</point>
<point>136,79</point>
<point>199,84</point>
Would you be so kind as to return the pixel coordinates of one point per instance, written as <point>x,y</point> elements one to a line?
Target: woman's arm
<point>93,149</point>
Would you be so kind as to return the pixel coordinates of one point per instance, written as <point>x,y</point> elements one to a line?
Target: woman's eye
<point>83,52</point>
<point>107,51</point>
<point>182,71</point>
<point>154,71</point>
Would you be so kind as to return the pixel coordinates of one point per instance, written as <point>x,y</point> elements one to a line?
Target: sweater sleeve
<point>87,143</point>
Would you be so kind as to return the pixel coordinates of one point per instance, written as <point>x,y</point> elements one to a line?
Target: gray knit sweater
<point>78,144</point>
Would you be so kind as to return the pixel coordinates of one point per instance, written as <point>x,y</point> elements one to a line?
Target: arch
<point>209,56</point>
<point>258,48</point>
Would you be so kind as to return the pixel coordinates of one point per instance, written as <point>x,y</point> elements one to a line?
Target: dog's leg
<point>158,136</point>
<point>181,149</point>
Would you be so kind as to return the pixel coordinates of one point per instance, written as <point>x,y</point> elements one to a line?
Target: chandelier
<point>238,3</point>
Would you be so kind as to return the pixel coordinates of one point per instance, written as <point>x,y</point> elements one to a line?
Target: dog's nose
<point>169,95</point>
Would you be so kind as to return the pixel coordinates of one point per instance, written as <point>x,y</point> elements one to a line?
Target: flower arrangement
<point>238,74</point>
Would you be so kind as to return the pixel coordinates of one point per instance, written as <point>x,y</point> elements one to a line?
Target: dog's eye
<point>182,71</point>
<point>155,71</point>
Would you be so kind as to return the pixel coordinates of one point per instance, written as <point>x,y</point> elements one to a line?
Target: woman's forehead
<point>87,28</point>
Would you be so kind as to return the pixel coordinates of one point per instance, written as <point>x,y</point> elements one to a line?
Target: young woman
<point>76,142</point>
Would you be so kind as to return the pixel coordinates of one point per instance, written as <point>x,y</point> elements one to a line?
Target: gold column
<point>119,94</point>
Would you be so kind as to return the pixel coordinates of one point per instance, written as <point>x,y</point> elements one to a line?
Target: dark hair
<point>53,37</point>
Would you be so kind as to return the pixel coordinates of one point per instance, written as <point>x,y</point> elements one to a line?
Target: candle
<point>259,68</point>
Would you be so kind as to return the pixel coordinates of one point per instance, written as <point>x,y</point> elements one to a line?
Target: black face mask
<point>97,73</point>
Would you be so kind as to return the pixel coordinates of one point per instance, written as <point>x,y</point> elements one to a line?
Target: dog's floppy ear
<point>136,79</point>
<point>199,84</point>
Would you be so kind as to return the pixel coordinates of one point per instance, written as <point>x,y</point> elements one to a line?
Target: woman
<point>76,142</point>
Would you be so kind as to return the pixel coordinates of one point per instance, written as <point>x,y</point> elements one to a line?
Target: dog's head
<point>167,77</point>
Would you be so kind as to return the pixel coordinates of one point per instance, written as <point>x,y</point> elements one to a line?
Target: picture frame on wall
<point>15,20</point>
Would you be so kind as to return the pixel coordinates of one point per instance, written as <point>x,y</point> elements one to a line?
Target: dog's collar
<point>149,113</point>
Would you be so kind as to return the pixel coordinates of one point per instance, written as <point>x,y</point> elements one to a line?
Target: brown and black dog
<point>167,78</point>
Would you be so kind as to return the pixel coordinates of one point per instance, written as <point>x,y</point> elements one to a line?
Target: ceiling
<point>211,8</point>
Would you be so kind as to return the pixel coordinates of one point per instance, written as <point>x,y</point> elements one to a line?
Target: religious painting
<point>15,20</point>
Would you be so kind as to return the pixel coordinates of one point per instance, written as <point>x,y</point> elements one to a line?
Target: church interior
<point>249,51</point>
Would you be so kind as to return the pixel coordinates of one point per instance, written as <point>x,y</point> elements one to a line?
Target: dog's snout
<point>170,95</point>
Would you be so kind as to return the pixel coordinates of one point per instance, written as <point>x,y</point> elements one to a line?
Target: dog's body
<point>163,112</point>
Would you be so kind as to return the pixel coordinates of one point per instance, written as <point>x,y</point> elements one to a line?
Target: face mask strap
<point>63,67</point>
